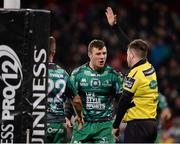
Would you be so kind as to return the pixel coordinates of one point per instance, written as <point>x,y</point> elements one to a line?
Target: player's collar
<point>97,71</point>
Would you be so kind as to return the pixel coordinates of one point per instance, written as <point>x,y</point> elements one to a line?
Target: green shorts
<point>56,133</point>
<point>98,132</point>
<point>158,138</point>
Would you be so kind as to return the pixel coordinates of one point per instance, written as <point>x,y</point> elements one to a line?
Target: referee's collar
<point>142,61</point>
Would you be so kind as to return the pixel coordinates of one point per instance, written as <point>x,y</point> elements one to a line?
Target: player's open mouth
<point>101,62</point>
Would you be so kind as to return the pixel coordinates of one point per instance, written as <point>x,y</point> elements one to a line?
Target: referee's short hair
<point>140,47</point>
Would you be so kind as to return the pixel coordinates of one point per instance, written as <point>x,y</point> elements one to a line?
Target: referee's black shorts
<point>141,131</point>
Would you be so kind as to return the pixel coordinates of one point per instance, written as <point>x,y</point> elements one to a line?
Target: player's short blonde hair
<point>99,44</point>
<point>140,46</point>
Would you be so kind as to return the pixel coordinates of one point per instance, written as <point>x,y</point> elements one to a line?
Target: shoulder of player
<point>79,69</point>
<point>53,66</point>
<point>58,69</point>
<point>111,70</point>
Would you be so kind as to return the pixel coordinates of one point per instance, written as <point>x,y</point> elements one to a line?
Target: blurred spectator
<point>174,131</point>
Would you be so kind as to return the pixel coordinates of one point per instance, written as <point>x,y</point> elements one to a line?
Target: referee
<point>138,103</point>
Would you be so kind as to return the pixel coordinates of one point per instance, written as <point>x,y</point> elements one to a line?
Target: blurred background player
<point>163,115</point>
<point>139,100</point>
<point>60,88</point>
<point>97,84</point>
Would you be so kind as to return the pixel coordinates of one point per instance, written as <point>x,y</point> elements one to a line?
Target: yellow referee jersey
<point>142,83</point>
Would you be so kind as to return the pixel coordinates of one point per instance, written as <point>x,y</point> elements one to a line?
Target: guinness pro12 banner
<point>24,37</point>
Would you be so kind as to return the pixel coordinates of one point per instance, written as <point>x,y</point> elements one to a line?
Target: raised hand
<point>111,17</point>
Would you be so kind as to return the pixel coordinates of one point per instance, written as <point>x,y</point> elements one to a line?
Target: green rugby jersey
<point>97,90</point>
<point>162,102</point>
<point>60,87</point>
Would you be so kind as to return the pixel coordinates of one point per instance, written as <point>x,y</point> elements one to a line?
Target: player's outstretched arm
<point>112,20</point>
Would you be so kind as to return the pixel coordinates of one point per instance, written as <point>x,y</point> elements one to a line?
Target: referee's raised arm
<point>138,103</point>
<point>112,20</point>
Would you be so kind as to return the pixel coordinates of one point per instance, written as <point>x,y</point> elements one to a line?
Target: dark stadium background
<point>74,23</point>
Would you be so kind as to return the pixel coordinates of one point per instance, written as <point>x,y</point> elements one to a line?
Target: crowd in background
<point>74,23</point>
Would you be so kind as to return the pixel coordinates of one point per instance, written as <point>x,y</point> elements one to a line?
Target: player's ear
<point>89,54</point>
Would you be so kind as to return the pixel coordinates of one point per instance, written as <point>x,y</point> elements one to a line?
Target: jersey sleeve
<point>130,83</point>
<point>70,90</point>
<point>68,110</point>
<point>118,84</point>
<point>129,88</point>
<point>74,80</point>
<point>162,102</point>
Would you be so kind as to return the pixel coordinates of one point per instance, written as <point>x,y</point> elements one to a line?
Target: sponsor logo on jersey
<point>11,76</point>
<point>83,82</point>
<point>95,83</point>
<point>149,71</point>
<point>55,130</point>
<point>107,83</point>
<point>56,75</point>
<point>94,103</point>
<point>93,75</point>
<point>153,84</point>
<point>129,82</point>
